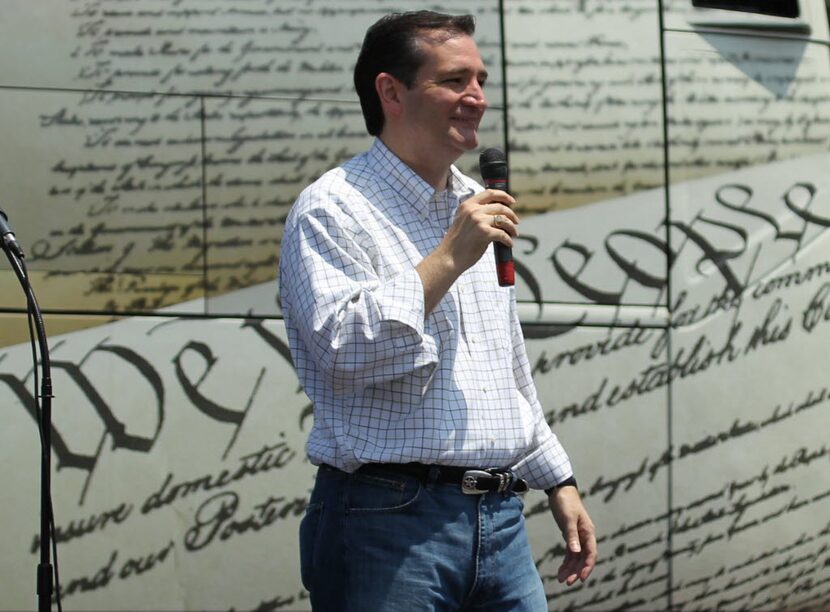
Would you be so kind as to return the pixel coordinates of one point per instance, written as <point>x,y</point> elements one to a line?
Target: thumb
<point>572,538</point>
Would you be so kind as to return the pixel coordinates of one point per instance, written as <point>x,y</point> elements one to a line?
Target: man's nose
<point>474,96</point>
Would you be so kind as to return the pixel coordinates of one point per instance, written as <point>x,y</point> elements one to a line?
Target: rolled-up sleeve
<point>358,328</point>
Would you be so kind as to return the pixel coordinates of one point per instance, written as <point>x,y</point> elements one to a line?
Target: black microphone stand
<point>44,568</point>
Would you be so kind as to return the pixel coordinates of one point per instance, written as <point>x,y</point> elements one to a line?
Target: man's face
<point>446,103</point>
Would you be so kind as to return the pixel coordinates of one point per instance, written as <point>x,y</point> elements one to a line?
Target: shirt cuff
<point>547,466</point>
<point>402,300</point>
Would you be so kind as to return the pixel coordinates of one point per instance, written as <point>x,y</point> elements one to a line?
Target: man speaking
<point>426,421</point>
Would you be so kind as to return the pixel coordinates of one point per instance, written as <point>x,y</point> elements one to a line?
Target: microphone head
<point>493,164</point>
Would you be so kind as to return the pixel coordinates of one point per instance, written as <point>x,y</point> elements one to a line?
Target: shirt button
<point>485,389</point>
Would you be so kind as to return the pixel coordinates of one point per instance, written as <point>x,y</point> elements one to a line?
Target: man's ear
<point>389,91</point>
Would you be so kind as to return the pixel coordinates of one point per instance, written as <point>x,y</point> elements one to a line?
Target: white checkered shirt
<point>388,383</point>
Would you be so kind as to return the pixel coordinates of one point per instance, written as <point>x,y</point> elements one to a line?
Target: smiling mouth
<point>469,121</point>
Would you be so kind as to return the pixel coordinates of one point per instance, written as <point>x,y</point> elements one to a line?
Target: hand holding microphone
<point>493,164</point>
<point>481,220</point>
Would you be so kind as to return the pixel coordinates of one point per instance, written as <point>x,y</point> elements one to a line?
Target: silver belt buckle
<point>470,480</point>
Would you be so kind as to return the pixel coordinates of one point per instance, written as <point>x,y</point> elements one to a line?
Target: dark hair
<point>392,45</point>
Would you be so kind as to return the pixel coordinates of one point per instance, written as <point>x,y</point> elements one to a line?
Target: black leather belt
<point>473,481</point>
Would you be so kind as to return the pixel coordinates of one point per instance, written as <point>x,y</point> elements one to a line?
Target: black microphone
<point>493,164</point>
<point>7,235</point>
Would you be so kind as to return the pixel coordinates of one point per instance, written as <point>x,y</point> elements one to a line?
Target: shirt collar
<point>406,181</point>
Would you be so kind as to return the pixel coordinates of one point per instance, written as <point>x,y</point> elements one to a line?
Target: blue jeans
<point>388,542</point>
